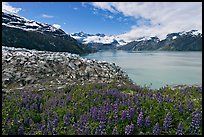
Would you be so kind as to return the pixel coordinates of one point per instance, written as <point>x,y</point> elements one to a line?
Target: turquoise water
<point>156,68</point>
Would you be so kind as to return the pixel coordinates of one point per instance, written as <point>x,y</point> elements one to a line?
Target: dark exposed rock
<point>23,33</point>
<point>181,41</point>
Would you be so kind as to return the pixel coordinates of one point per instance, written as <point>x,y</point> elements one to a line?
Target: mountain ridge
<point>20,32</point>
<point>178,41</point>
<point>23,33</point>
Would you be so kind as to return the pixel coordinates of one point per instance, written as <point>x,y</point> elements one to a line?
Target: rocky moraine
<point>41,70</point>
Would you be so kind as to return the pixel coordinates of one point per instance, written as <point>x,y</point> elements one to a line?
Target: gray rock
<point>28,67</point>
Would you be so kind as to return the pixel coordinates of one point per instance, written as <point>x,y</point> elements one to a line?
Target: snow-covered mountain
<point>180,41</point>
<point>19,22</point>
<point>20,32</point>
<point>98,38</point>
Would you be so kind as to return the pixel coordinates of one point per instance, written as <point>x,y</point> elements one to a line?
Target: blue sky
<point>127,20</point>
<point>76,17</point>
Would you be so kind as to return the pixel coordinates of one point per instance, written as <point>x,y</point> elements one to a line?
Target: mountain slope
<point>20,32</point>
<point>181,41</point>
<point>141,44</point>
<point>98,41</point>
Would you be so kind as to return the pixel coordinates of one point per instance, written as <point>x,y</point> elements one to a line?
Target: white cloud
<point>47,16</point>
<point>83,4</point>
<point>104,6</point>
<point>165,17</point>
<point>6,7</point>
<point>75,8</point>
<point>56,26</point>
<point>108,16</point>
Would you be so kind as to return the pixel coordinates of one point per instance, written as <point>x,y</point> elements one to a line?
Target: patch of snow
<point>31,24</point>
<point>143,39</point>
<point>52,29</point>
<point>98,39</point>
<point>195,33</point>
<point>90,38</point>
<point>174,37</point>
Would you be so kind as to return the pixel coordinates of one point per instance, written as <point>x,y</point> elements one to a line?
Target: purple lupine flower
<point>43,127</point>
<point>109,121</point>
<point>94,113</point>
<point>26,120</point>
<point>84,119</point>
<point>43,117</point>
<point>21,130</point>
<point>199,89</point>
<point>167,122</point>
<point>115,119</point>
<point>79,131</point>
<point>107,109</point>
<point>167,99</point>
<point>35,106</point>
<point>27,106</point>
<point>54,132</point>
<point>137,100</point>
<point>15,120</point>
<point>115,108</point>
<point>96,131</point>
<point>190,105</point>
<point>156,129</point>
<point>115,131</point>
<point>189,94</point>
<point>102,128</point>
<point>182,95</point>
<point>160,98</point>
<point>150,95</point>
<point>195,124</point>
<point>147,122</point>
<point>45,132</point>
<point>30,122</point>
<point>87,130</point>
<point>41,106</point>
<point>129,129</point>
<point>49,126</point>
<point>100,115</point>
<point>131,112</point>
<point>180,108</point>
<point>65,120</point>
<point>123,115</point>
<point>140,119</point>
<point>55,122</point>
<point>179,130</point>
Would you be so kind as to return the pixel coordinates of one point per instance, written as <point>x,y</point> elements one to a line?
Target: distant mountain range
<point>20,32</point>
<point>181,41</point>
<point>99,41</point>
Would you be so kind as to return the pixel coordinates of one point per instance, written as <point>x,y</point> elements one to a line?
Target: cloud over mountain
<point>6,7</point>
<point>164,17</point>
<point>47,16</point>
<point>56,26</point>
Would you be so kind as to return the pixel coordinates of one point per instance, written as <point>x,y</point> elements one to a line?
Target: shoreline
<point>33,68</point>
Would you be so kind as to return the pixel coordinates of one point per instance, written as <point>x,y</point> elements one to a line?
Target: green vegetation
<point>19,38</point>
<point>113,108</point>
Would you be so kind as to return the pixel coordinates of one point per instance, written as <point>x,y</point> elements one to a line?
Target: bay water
<point>156,68</point>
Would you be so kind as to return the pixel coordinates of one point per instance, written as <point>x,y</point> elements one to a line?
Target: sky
<point>127,20</point>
